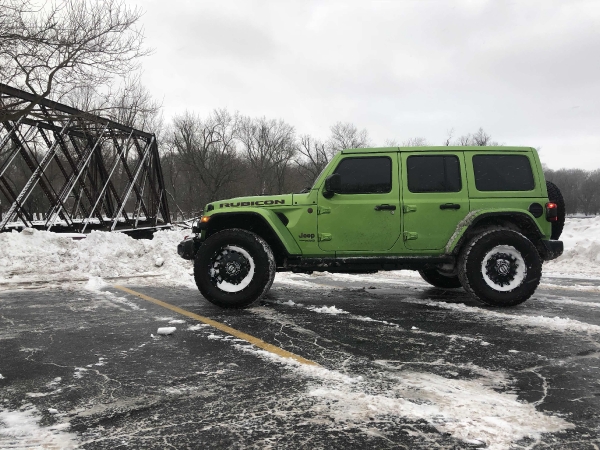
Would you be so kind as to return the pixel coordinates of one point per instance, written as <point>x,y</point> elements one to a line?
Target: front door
<point>365,215</point>
<point>435,198</point>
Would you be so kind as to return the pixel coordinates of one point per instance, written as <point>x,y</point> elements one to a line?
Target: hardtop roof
<point>440,148</point>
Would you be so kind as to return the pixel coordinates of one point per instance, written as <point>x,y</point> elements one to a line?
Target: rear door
<point>435,198</point>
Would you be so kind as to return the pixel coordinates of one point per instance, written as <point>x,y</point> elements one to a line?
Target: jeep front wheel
<point>234,268</point>
<point>500,268</point>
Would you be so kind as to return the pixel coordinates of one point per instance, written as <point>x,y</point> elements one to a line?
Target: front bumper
<point>188,248</point>
<point>553,249</point>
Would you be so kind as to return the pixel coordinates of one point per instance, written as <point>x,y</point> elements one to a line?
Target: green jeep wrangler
<point>478,217</point>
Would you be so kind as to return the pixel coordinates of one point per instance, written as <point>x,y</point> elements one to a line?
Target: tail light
<point>551,212</point>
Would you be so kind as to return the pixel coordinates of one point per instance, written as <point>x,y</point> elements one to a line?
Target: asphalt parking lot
<point>379,364</point>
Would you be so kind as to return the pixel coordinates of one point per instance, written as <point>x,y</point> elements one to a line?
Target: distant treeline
<point>580,189</point>
<point>225,155</point>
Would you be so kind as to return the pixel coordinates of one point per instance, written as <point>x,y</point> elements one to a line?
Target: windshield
<point>318,176</point>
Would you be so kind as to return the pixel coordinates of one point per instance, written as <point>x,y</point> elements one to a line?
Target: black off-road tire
<point>439,280</point>
<point>234,268</point>
<point>500,267</point>
<point>555,196</point>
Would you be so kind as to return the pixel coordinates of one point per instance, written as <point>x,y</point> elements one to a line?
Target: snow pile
<point>582,249</point>
<point>20,429</point>
<point>45,256</point>
<point>327,310</point>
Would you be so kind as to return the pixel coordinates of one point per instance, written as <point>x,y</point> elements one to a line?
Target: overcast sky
<point>528,72</point>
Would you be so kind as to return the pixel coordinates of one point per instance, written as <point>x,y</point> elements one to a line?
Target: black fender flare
<point>522,222</point>
<point>256,223</point>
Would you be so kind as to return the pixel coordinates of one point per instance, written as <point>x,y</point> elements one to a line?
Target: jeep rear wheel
<point>234,268</point>
<point>500,268</point>
<point>439,280</point>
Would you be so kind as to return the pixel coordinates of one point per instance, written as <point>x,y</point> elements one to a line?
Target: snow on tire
<point>234,268</point>
<point>500,267</point>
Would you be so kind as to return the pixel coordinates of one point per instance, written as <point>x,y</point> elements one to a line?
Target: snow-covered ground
<point>445,402</point>
<point>42,256</point>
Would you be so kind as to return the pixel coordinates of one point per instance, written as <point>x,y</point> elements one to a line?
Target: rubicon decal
<point>255,203</point>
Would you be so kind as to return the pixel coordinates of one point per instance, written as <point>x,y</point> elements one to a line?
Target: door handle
<point>385,207</point>
<point>450,206</point>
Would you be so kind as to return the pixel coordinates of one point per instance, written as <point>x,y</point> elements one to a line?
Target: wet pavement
<point>401,365</point>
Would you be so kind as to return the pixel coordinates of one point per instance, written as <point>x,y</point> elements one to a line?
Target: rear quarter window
<point>503,173</point>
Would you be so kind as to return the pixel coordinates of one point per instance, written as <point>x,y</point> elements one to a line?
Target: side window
<point>433,173</point>
<point>503,173</point>
<point>365,175</point>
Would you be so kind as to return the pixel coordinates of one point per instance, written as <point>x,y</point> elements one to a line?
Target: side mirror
<point>333,185</point>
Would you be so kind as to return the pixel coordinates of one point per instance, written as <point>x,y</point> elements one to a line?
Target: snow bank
<point>582,249</point>
<point>45,256</point>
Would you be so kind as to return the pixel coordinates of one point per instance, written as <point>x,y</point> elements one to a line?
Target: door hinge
<point>409,208</point>
<point>323,210</point>
<point>324,237</point>
<point>410,235</point>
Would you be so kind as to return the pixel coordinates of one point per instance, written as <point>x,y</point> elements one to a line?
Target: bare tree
<point>411,142</point>
<point>129,103</point>
<point>449,135</point>
<point>208,150</point>
<point>269,147</point>
<point>415,142</point>
<point>132,104</point>
<point>52,47</point>
<point>346,135</point>
<point>465,140</point>
<point>481,138</point>
<point>313,157</point>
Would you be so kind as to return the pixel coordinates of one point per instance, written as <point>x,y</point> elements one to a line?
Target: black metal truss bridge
<point>63,169</point>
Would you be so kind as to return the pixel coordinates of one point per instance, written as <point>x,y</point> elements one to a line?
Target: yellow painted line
<point>224,328</point>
